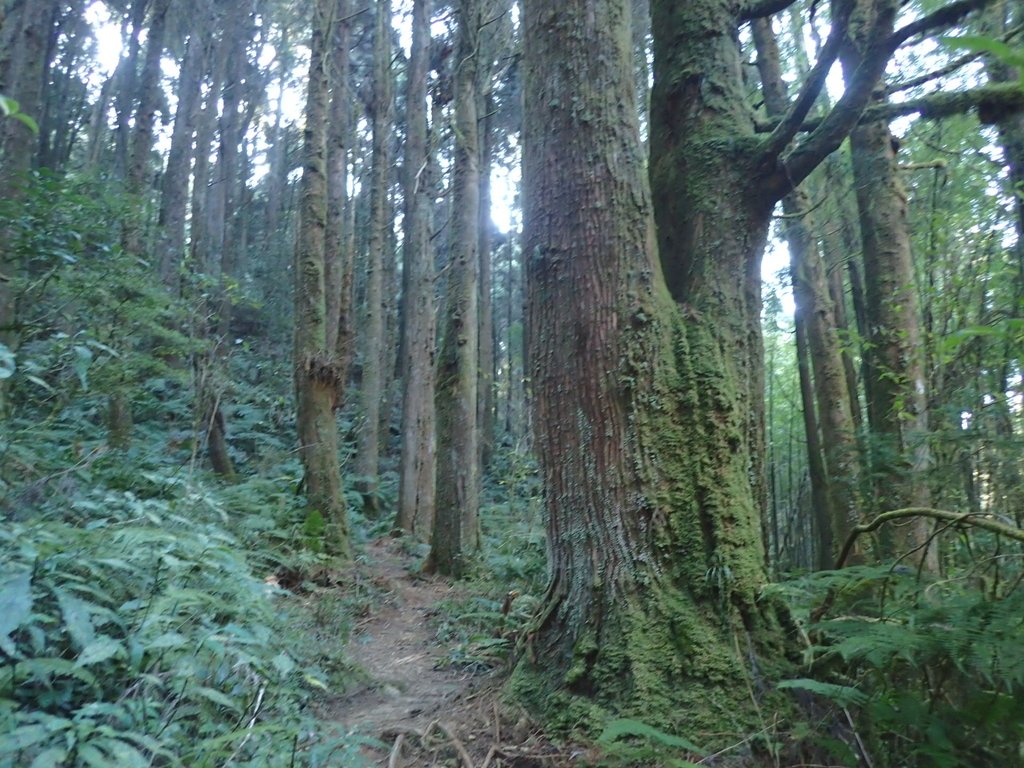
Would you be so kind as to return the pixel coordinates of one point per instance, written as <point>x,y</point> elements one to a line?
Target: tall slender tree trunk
<point>416,488</point>
<point>486,362</point>
<point>316,384</point>
<point>127,92</point>
<point>896,384</point>
<point>816,321</point>
<point>373,391</point>
<point>456,524</point>
<point>174,194</point>
<point>339,266</point>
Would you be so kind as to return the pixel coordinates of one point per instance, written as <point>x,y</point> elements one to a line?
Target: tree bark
<point>373,391</point>
<point>644,402</point>
<point>316,383</point>
<point>456,526</point>
<point>815,319</point>
<point>894,353</point>
<point>418,458</point>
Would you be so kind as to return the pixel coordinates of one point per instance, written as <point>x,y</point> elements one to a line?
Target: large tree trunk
<point>373,391</point>
<point>456,526</point>
<point>418,458</point>
<point>646,403</point>
<point>316,383</point>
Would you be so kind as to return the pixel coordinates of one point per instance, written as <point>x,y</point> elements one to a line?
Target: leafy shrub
<point>932,672</point>
<point>136,632</point>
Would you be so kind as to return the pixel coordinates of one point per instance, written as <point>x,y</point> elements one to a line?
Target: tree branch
<point>815,81</point>
<point>924,79</point>
<point>757,9</point>
<point>953,518</point>
<point>949,69</point>
<point>946,16</point>
<point>992,102</point>
<point>838,123</point>
<point>847,112</point>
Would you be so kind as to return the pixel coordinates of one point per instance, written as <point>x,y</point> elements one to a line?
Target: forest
<point>512,383</point>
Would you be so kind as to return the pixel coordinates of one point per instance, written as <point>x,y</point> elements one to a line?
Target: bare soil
<point>419,709</point>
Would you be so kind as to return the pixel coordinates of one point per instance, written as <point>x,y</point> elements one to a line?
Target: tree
<point>316,383</point>
<point>895,379</point>
<point>832,460</point>
<point>418,456</point>
<point>21,79</point>
<point>373,354</point>
<point>456,528</point>
<point>647,362</point>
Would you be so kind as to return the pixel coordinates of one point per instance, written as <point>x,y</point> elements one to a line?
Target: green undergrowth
<point>906,670</point>
<point>151,615</point>
<point>142,631</point>
<point>508,576</point>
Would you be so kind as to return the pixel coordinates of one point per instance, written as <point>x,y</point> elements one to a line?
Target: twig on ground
<point>396,751</point>
<point>457,745</point>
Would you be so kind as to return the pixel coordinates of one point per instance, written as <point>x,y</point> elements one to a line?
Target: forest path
<point>421,711</point>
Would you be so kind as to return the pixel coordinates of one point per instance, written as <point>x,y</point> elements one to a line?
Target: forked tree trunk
<point>456,526</point>
<point>418,458</point>
<point>316,382</point>
<point>645,401</point>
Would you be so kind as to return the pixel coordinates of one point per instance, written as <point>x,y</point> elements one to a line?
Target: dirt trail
<point>409,688</point>
<point>422,712</point>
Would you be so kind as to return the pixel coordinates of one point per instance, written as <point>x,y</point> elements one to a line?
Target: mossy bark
<point>316,375</point>
<point>647,380</point>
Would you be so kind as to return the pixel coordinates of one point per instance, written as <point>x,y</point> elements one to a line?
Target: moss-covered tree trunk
<point>645,414</point>
<point>646,359</point>
<point>418,457</point>
<point>456,526</point>
<point>316,383</point>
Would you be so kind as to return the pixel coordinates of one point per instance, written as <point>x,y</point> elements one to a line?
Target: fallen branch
<point>467,761</point>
